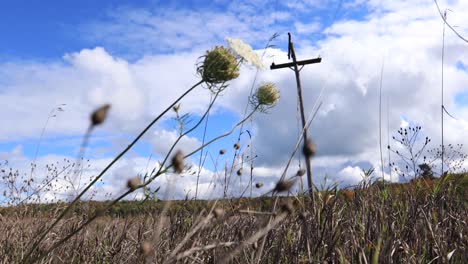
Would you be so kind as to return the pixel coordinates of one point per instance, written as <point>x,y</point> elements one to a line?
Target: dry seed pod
<point>309,149</point>
<point>259,185</point>
<point>221,152</point>
<point>239,172</point>
<point>300,172</point>
<point>133,183</point>
<point>99,115</point>
<point>283,186</point>
<point>236,146</point>
<point>178,162</point>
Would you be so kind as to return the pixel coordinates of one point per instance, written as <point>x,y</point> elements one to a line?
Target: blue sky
<point>140,55</point>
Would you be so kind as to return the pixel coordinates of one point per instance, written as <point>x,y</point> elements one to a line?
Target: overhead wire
<point>450,26</point>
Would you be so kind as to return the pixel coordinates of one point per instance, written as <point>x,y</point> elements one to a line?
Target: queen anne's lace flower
<point>267,94</point>
<point>244,51</point>
<point>265,97</point>
<point>219,66</point>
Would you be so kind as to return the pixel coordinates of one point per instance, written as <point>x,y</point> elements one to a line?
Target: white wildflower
<point>245,52</point>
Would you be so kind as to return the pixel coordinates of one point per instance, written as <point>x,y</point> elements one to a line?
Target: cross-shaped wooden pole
<point>294,66</point>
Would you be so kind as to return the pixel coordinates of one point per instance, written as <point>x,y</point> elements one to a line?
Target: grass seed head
<point>99,115</point>
<point>178,162</point>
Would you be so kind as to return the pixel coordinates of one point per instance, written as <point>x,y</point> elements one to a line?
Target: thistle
<point>219,66</point>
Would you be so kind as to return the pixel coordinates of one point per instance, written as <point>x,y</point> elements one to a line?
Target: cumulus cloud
<point>402,37</point>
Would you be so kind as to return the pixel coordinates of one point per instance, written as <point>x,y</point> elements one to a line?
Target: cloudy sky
<point>60,60</point>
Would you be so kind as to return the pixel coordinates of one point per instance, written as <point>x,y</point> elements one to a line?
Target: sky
<point>59,61</point>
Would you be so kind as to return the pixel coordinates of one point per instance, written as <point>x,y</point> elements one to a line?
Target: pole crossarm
<point>291,64</point>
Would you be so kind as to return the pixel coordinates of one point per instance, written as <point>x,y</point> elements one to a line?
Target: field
<point>418,222</point>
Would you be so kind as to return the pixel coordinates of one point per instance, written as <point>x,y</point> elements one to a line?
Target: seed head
<point>236,146</point>
<point>133,183</point>
<point>99,115</point>
<point>178,162</point>
<point>219,66</point>
<point>258,185</point>
<point>309,149</point>
<point>300,172</point>
<point>221,152</point>
<point>239,172</point>
<point>267,95</point>
<point>283,186</point>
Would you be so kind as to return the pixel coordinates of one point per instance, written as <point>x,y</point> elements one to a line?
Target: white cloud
<point>307,28</point>
<point>405,36</point>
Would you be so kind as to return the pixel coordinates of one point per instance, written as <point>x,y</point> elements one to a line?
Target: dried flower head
<point>258,185</point>
<point>176,108</point>
<point>245,52</point>
<point>267,94</point>
<point>265,97</point>
<point>99,115</point>
<point>133,183</point>
<point>300,172</point>
<point>283,186</point>
<point>219,66</point>
<point>178,162</point>
<point>236,146</point>
<point>309,149</point>
<point>239,172</point>
<point>221,152</point>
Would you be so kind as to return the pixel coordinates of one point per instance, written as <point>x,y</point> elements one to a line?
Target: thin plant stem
<point>159,172</point>
<point>41,238</point>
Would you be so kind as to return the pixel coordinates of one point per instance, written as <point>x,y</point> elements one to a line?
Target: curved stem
<point>223,135</point>
<point>41,238</point>
<point>159,172</point>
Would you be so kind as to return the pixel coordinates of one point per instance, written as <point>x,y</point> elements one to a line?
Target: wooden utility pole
<point>294,66</point>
